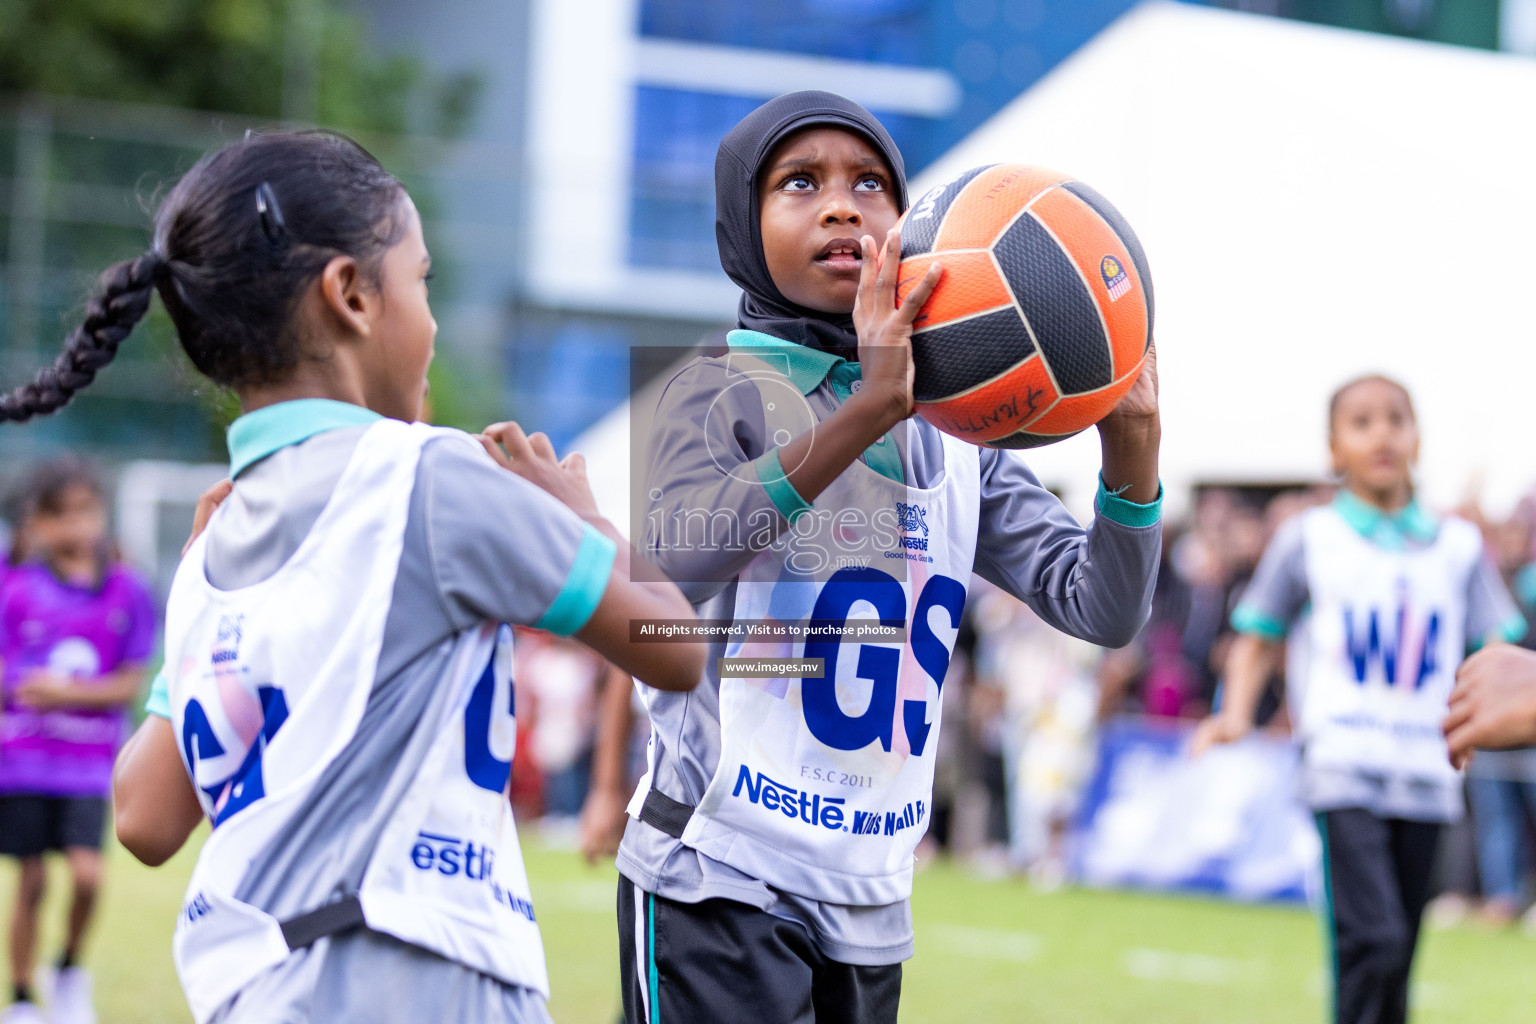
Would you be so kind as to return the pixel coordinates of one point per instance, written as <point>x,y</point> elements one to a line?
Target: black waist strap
<point>662,812</point>
<point>306,929</point>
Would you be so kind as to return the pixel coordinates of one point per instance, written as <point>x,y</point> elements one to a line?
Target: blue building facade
<point>974,56</point>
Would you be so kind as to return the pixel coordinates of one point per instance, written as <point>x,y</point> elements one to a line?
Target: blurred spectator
<point>1172,669</point>
<point>990,781</point>
<point>1151,675</point>
<point>557,689</point>
<point>1216,558</point>
<point>955,764</point>
<point>619,742</point>
<point>76,628</point>
<point>1047,686</point>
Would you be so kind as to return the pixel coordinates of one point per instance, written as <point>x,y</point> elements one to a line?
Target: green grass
<point>987,951</point>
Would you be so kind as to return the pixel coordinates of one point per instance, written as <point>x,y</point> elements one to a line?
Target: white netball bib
<point>824,785</point>
<point>267,686</point>
<point>1385,634</point>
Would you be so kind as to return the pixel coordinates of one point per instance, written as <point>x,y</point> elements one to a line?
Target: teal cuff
<point>1248,619</point>
<point>1127,513</point>
<point>1525,586</point>
<point>584,585</point>
<point>780,491</point>
<point>159,701</point>
<point>1509,631</point>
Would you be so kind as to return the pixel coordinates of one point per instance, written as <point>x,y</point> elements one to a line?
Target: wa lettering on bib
<point>1385,633</point>
<point>825,781</point>
<point>268,684</point>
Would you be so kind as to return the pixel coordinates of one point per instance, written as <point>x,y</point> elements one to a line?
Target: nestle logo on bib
<point>231,629</point>
<point>912,519</point>
<point>449,855</point>
<point>226,643</point>
<point>810,808</point>
<point>195,909</point>
<point>453,857</point>
<point>828,812</point>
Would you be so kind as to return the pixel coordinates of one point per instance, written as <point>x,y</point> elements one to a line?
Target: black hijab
<point>738,219</point>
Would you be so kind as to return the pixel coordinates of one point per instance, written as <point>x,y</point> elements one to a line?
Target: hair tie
<point>159,267</point>
<point>272,223</point>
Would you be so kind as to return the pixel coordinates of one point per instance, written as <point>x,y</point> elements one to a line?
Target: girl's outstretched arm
<point>1250,664</point>
<point>154,807</point>
<point>665,666</point>
<point>671,665</point>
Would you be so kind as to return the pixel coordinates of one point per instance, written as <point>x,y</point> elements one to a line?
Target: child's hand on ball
<point>1141,401</point>
<point>884,328</point>
<point>1129,437</point>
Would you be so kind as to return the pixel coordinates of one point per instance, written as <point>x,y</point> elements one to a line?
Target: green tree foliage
<point>299,59</point>
<point>249,61</point>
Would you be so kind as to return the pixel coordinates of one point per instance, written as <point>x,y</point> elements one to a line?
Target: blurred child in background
<point>1393,597</point>
<point>76,628</point>
<point>1049,682</point>
<point>560,679</point>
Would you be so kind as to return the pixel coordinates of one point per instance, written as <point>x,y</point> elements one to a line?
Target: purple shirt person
<point>50,626</point>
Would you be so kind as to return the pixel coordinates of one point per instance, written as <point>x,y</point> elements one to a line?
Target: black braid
<point>122,298</point>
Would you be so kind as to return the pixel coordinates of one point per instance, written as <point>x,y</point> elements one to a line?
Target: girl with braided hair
<point>337,696</point>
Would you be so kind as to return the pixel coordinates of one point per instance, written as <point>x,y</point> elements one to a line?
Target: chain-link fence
<point>78,184</point>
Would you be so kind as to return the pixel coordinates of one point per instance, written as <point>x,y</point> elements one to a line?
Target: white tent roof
<point>606,447</point>
<point>1315,204</point>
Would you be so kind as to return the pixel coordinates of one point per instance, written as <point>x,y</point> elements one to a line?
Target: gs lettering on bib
<point>825,780</point>
<point>1385,633</point>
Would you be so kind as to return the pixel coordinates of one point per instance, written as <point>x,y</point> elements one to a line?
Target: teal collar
<point>258,434</point>
<point>1389,529</point>
<point>806,367</point>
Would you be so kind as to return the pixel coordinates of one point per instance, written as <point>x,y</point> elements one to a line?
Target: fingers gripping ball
<point>1043,317</point>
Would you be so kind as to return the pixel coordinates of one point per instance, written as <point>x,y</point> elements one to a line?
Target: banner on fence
<point>1227,824</point>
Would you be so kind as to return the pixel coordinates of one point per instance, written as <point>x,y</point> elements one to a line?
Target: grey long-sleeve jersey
<point>707,447</point>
